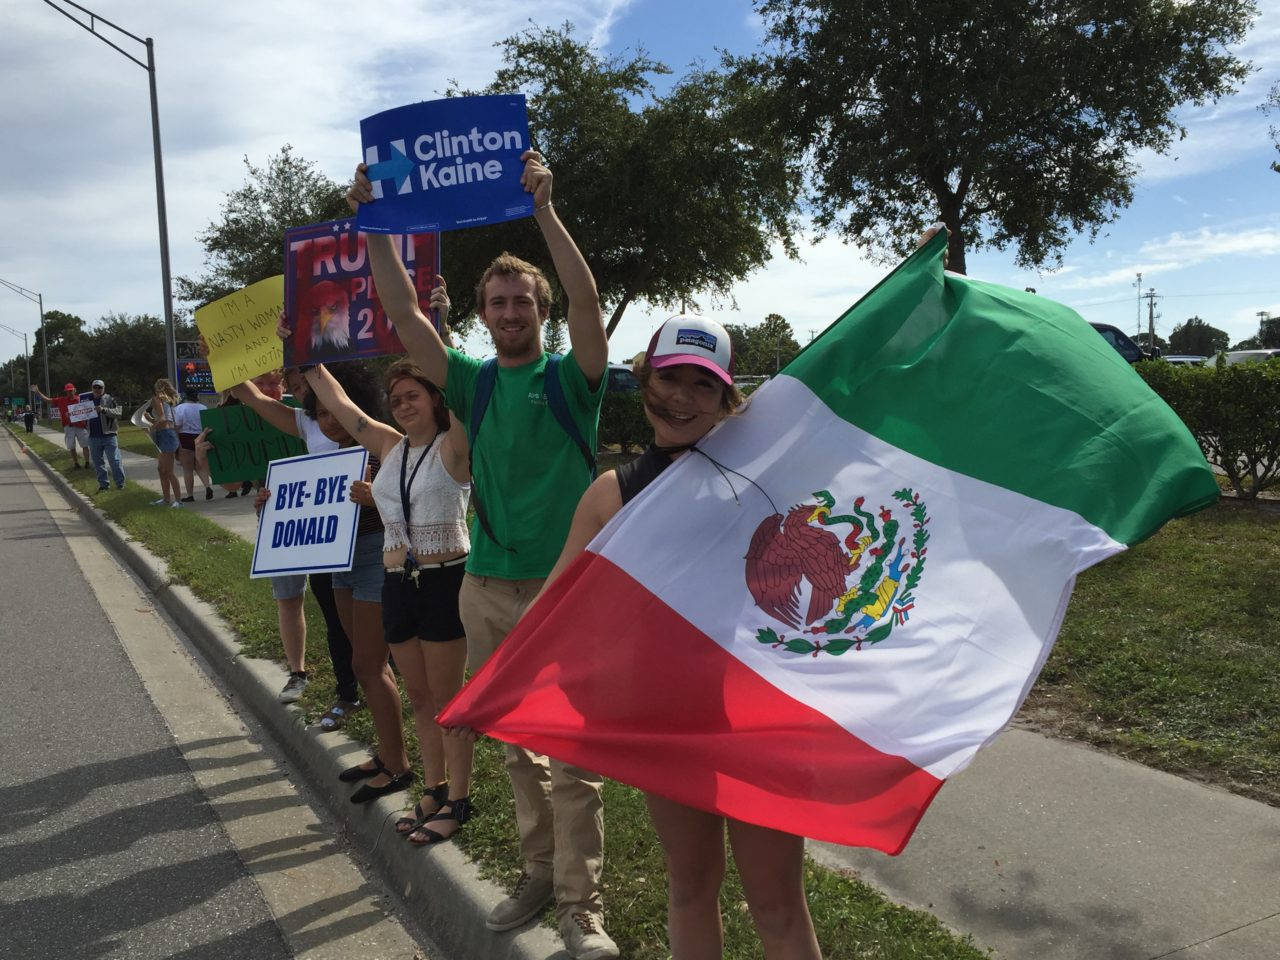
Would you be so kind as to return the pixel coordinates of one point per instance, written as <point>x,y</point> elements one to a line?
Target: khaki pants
<point>558,808</point>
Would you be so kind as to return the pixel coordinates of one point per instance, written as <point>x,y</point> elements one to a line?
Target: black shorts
<point>427,609</point>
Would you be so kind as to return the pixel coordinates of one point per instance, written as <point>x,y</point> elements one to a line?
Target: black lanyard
<point>405,488</point>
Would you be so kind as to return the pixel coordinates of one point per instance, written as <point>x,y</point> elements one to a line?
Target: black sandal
<point>398,782</point>
<point>408,824</point>
<point>360,772</point>
<point>459,811</point>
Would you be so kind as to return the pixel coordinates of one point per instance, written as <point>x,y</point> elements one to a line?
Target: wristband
<point>543,207</point>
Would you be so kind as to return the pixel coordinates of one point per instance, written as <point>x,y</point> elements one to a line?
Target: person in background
<point>165,436</point>
<point>103,441</point>
<point>357,592</point>
<point>186,417</point>
<point>74,432</point>
<point>29,418</point>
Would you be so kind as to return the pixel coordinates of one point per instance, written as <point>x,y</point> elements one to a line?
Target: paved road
<point>139,818</point>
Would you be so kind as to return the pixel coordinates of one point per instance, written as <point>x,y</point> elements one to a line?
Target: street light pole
<point>171,357</point>
<point>26,353</point>
<point>38,299</point>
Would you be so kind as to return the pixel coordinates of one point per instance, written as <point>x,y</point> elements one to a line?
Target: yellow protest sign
<point>240,330</point>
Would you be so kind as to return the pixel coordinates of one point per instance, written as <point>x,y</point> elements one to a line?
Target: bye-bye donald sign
<point>309,523</point>
<point>446,164</point>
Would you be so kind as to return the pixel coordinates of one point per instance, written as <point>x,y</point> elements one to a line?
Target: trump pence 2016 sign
<point>446,164</point>
<point>330,296</point>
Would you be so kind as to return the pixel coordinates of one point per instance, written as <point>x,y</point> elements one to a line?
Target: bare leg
<point>445,665</point>
<point>293,632</point>
<point>771,864</point>
<point>693,842</point>
<point>362,622</point>
<point>188,459</point>
<point>408,657</point>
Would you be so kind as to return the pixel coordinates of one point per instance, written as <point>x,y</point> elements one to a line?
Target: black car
<point>1123,343</point>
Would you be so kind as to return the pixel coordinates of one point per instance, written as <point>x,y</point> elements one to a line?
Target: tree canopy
<point>1272,104</point>
<point>1196,337</point>
<point>246,244</point>
<point>1014,123</point>
<point>663,195</point>
<point>764,348</point>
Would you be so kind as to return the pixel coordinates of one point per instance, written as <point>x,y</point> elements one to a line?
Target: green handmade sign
<point>244,443</point>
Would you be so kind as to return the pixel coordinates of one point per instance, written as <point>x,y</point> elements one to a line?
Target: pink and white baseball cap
<point>696,340</point>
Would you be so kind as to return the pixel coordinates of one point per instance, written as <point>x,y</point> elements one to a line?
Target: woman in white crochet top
<point>421,492</point>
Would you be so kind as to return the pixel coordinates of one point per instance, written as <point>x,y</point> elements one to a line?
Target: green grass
<point>1170,653</point>
<point>136,440</point>
<point>854,921</point>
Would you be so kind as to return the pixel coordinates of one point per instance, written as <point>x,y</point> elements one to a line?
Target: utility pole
<point>1151,297</point>
<point>1263,316</point>
<point>1138,283</point>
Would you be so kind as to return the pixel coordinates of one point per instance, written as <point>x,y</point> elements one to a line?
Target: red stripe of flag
<point>603,675</point>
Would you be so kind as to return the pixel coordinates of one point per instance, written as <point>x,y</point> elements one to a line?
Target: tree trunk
<point>616,317</point>
<point>955,241</point>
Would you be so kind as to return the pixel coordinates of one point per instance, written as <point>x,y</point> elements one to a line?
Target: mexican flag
<point>821,614</point>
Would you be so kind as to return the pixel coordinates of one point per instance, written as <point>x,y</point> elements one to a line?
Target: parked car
<point>1122,342</point>
<point>1185,359</point>
<point>621,379</point>
<point>1251,356</point>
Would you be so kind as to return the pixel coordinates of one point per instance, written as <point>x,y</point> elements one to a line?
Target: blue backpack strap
<point>560,410</point>
<point>485,381</point>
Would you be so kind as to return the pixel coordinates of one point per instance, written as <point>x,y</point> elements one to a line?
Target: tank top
<point>642,471</point>
<point>437,502</point>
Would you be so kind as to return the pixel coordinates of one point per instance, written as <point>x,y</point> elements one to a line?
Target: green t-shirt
<point>526,471</point>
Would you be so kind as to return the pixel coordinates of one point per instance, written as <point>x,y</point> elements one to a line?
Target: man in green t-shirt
<point>527,477</point>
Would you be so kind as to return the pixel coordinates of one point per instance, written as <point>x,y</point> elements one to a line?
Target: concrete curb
<point>449,897</point>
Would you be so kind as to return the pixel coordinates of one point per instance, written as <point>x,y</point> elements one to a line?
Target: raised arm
<point>586,323</point>
<point>398,296</point>
<point>273,411</point>
<point>40,393</point>
<point>373,435</point>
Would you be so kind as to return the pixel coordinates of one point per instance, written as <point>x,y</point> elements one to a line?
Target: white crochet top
<point>437,503</point>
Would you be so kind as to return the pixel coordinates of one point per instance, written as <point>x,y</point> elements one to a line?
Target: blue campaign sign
<point>446,164</point>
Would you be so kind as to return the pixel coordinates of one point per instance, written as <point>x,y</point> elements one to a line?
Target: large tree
<point>1013,122</point>
<point>663,194</point>
<point>1272,104</point>
<point>246,243</point>
<point>763,348</point>
<point>1195,336</point>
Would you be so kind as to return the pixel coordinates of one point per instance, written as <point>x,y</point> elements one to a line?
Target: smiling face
<point>413,408</point>
<point>682,402</point>
<point>510,311</point>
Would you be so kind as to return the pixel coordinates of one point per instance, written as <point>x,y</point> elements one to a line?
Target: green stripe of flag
<point>1009,388</point>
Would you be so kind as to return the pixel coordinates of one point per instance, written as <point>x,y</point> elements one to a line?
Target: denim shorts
<point>364,579</point>
<point>287,586</point>
<point>166,440</point>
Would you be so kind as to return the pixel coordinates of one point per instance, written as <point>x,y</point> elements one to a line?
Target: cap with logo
<point>696,340</point>
<point>98,383</point>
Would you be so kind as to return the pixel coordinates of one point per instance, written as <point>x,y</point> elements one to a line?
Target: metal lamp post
<point>38,299</point>
<point>171,360</point>
<point>25,353</point>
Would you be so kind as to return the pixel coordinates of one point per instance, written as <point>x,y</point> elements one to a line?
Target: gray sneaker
<point>526,901</point>
<point>292,691</point>
<point>585,938</point>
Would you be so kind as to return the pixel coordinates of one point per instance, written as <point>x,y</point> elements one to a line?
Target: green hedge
<point>1234,414</point>
<point>622,420</point>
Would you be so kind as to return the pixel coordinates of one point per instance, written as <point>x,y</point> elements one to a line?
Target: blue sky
<point>241,78</point>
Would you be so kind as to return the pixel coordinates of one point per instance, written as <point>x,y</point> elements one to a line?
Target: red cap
<point>70,386</point>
